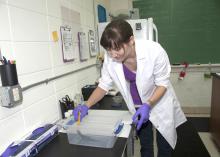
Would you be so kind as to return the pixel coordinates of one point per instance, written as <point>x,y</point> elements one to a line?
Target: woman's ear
<point>131,41</point>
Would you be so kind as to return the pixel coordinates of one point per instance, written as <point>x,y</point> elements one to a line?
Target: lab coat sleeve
<point>105,82</point>
<point>162,68</point>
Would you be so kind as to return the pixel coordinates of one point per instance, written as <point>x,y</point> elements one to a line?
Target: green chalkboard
<point>189,30</point>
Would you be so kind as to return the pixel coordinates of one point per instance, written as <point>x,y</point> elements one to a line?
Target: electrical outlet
<point>11,95</point>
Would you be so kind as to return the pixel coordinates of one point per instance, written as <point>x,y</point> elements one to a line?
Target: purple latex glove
<point>10,150</point>
<point>143,112</point>
<point>83,109</point>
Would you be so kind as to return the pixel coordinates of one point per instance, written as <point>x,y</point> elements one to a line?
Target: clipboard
<point>67,43</point>
<point>92,43</point>
<point>83,46</point>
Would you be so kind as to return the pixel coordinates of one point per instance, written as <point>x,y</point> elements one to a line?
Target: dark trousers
<point>145,135</point>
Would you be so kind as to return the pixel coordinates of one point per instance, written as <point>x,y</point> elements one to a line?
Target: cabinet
<point>215,109</point>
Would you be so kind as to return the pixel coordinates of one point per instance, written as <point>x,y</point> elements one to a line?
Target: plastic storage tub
<point>92,134</point>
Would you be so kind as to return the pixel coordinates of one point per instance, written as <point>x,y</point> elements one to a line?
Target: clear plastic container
<point>92,134</point>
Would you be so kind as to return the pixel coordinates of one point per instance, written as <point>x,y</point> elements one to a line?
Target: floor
<point>210,145</point>
<point>205,136</point>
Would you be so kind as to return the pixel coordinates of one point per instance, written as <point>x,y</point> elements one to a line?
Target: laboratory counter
<point>60,146</point>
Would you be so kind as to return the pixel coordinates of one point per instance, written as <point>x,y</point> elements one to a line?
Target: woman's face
<point>120,55</point>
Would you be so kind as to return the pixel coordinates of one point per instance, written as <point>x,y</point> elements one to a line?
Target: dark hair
<point>116,33</point>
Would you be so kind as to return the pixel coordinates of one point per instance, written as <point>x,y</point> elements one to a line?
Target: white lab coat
<point>153,68</point>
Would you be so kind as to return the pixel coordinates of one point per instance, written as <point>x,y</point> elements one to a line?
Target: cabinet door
<point>215,110</point>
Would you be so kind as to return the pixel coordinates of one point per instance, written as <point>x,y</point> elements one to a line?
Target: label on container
<point>15,93</point>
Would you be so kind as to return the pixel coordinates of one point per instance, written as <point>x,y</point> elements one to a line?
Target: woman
<point>141,71</point>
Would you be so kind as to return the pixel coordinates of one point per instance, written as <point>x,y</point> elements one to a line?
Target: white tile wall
<point>7,112</point>
<point>75,16</point>
<point>4,23</point>
<point>66,82</point>
<point>88,5</point>
<point>32,57</point>
<point>6,49</point>
<point>89,20</point>
<point>25,35</point>
<point>83,21</point>
<point>77,8</point>
<point>194,90</point>
<point>116,5</point>
<point>66,4</point>
<point>76,28</point>
<point>53,7</point>
<point>54,25</point>
<point>70,15</point>
<point>40,112</point>
<point>71,91</point>
<point>31,78</point>
<point>39,93</point>
<point>77,3</point>
<point>38,6</point>
<point>28,26</point>
<point>3,1</point>
<point>12,129</point>
<point>76,50</point>
<point>55,47</point>
<point>56,51</point>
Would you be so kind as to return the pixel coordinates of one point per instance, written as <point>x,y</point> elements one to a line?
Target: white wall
<point>116,5</point>
<point>194,91</point>
<point>26,28</point>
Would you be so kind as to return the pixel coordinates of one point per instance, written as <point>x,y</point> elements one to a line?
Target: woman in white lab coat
<point>140,70</point>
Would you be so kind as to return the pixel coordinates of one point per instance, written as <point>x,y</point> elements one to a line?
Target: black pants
<point>145,135</point>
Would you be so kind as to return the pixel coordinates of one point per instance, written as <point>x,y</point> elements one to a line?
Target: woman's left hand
<point>143,112</point>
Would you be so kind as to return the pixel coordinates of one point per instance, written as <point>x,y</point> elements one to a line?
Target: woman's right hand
<point>82,109</point>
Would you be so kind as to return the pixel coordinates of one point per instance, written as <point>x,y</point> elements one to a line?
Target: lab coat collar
<point>141,58</point>
<point>139,49</point>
